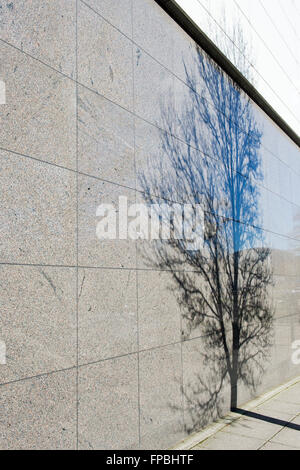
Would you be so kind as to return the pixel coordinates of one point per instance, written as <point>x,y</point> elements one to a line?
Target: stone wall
<point>95,355</point>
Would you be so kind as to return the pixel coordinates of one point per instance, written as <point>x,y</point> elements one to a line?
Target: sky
<point>272,34</point>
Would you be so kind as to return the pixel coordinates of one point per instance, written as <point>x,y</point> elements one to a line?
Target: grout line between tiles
<point>136,248</point>
<point>265,230</point>
<point>122,107</point>
<point>77,238</point>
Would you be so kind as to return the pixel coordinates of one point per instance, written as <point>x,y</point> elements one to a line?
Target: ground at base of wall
<point>270,422</point>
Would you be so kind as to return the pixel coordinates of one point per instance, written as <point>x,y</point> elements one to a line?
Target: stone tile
<point>279,404</point>
<point>93,251</point>
<point>159,254</point>
<point>32,26</point>
<point>281,216</point>
<point>38,320</point>
<point>146,255</point>
<point>296,420</point>
<point>39,117</point>
<point>104,58</point>
<point>152,97</point>
<point>160,397</point>
<point>105,140</point>
<point>288,437</point>
<point>156,156</point>
<point>186,57</point>
<point>270,137</point>
<point>276,446</point>
<point>186,98</point>
<point>294,191</point>
<point>286,183</point>
<point>275,413</point>
<point>152,27</point>
<point>38,212</point>
<point>153,251</point>
<point>252,427</point>
<point>167,167</point>
<point>39,413</point>
<point>294,243</point>
<point>285,300</point>
<point>117,13</point>
<point>291,395</point>
<point>159,311</point>
<point>290,156</point>
<point>202,403</point>
<point>226,441</point>
<point>191,328</point>
<point>107,313</point>
<point>148,152</point>
<point>108,404</point>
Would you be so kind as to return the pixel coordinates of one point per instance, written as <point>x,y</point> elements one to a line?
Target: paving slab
<point>270,422</point>
<point>228,441</point>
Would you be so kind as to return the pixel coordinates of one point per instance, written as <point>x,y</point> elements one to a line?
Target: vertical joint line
<point>181,365</point>
<point>136,250</point>
<point>77,188</point>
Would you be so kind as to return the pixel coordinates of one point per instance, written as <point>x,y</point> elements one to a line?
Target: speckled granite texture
<point>96,358</point>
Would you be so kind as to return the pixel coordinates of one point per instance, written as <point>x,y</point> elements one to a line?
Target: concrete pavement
<point>271,422</point>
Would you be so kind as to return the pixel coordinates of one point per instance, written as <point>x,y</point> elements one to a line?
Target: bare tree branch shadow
<point>223,288</point>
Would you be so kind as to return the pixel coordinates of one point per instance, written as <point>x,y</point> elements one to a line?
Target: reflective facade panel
<point>150,233</point>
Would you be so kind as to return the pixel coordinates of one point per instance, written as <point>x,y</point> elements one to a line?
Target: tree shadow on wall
<point>214,161</point>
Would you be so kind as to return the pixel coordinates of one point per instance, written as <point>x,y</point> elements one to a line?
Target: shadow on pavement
<point>268,419</point>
